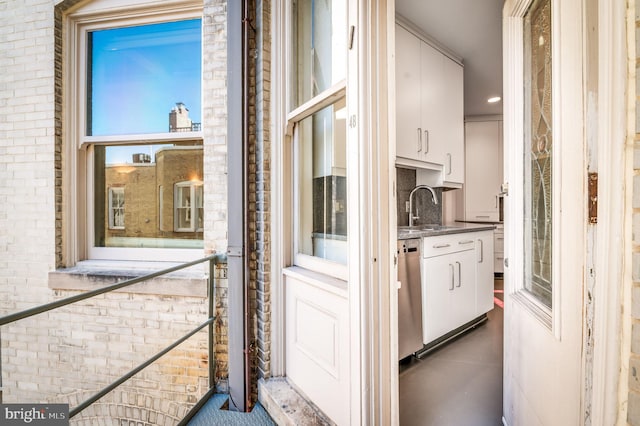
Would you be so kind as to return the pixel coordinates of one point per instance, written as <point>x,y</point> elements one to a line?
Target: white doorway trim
<point>613,163</point>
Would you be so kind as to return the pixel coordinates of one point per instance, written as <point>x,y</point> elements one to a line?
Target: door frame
<point>612,260</point>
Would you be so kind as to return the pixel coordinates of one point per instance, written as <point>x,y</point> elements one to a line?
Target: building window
<point>188,207</point>
<point>145,177</point>
<point>136,107</point>
<point>318,119</point>
<point>138,74</point>
<point>116,208</point>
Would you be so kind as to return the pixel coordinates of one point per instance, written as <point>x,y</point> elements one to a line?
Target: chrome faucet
<point>413,191</point>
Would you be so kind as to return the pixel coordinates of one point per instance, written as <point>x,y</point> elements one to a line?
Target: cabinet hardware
<point>452,277</point>
<point>419,139</point>
<point>426,141</point>
<point>496,201</point>
<point>482,217</point>
<point>449,157</point>
<point>481,251</point>
<point>441,245</point>
<point>465,242</point>
<point>459,274</point>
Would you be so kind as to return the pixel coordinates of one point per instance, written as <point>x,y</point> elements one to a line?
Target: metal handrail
<point>213,260</point>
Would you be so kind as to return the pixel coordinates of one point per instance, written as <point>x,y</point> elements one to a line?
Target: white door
<point>545,223</point>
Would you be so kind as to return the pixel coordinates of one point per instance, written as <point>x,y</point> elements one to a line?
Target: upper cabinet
<point>429,109</point>
<point>483,146</point>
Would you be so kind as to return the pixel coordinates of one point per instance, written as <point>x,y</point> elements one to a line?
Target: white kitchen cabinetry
<point>483,150</point>
<point>452,124</point>
<point>498,249</point>
<point>484,270</point>
<point>429,108</point>
<point>408,118</point>
<point>457,281</point>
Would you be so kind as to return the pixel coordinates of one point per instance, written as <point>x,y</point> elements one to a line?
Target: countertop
<point>420,231</point>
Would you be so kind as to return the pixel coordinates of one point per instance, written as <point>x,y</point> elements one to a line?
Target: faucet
<point>413,191</point>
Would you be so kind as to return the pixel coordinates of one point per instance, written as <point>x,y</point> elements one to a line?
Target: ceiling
<point>473,30</point>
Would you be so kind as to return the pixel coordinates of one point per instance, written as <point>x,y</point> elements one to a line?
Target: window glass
<point>143,174</point>
<point>188,206</point>
<point>538,177</point>
<point>137,74</point>
<point>323,184</point>
<point>116,208</point>
<point>320,50</point>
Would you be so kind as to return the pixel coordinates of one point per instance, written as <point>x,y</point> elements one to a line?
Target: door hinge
<point>504,189</point>
<point>593,198</point>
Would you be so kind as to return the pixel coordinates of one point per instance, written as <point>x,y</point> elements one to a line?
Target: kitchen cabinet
<point>452,124</point>
<point>498,250</point>
<point>457,281</point>
<point>484,271</point>
<point>483,171</point>
<point>408,112</point>
<point>429,108</point>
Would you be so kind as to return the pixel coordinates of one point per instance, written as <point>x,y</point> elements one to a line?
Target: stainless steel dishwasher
<point>409,297</point>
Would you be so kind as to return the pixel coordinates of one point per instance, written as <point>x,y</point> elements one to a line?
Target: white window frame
<point>315,104</point>
<point>194,207</point>
<point>516,131</point>
<point>112,215</point>
<point>79,169</point>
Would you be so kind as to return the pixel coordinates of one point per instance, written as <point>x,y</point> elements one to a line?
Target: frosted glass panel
<point>538,176</point>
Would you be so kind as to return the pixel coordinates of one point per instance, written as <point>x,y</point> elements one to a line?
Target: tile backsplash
<point>423,204</point>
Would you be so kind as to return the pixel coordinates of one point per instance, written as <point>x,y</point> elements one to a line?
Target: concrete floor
<point>459,384</point>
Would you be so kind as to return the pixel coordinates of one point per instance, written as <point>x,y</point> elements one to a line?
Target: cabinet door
<point>438,275</point>
<point>452,121</point>
<point>498,249</point>
<point>463,300</point>
<point>483,170</point>
<point>484,272</point>
<point>432,95</point>
<point>408,128</point>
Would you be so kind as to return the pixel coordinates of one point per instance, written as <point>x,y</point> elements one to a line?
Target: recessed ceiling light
<point>494,99</point>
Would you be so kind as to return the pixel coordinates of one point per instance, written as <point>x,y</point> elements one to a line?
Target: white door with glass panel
<point>545,222</point>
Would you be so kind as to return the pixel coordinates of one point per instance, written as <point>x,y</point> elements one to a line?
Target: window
<point>141,78</point>
<point>116,208</point>
<point>318,119</point>
<point>538,150</point>
<point>188,207</point>
<point>136,108</point>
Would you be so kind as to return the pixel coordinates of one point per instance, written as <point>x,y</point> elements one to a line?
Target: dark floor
<point>460,384</point>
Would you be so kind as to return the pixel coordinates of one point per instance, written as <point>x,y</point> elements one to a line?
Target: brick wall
<point>68,355</point>
<point>263,187</point>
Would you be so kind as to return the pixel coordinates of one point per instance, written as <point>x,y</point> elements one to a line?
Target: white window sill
<point>94,274</point>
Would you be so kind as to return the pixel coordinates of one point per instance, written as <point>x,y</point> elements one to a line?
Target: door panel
<point>543,334</point>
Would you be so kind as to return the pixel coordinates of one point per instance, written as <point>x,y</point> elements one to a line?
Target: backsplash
<point>423,204</point>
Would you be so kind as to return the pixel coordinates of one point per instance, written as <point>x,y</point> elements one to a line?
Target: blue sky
<point>139,73</point>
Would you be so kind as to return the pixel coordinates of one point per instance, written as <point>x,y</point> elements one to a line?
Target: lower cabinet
<point>484,270</point>
<point>457,281</point>
<point>498,250</point>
